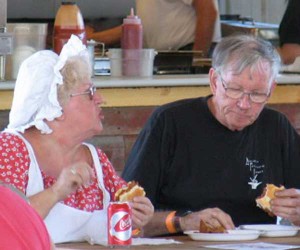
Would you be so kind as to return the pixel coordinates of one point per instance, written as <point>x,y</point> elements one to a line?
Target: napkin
<point>141,241</point>
<point>252,246</point>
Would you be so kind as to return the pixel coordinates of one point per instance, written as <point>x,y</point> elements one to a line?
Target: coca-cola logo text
<point>125,223</point>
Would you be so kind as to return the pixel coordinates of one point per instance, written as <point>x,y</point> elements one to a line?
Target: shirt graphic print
<point>255,168</point>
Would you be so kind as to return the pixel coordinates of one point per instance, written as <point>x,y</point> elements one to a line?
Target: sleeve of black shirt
<point>289,29</point>
<point>147,159</point>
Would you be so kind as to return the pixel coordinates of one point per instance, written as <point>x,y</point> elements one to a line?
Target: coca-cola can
<point>119,224</point>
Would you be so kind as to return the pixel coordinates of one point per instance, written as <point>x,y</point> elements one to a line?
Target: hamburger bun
<point>207,228</point>
<point>263,201</point>
<point>129,192</point>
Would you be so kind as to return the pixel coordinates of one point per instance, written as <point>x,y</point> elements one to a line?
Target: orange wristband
<point>135,232</point>
<point>170,222</point>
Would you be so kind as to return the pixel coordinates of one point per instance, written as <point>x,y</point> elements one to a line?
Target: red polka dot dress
<point>15,162</point>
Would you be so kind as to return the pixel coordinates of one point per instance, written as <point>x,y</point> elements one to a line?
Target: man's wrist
<point>173,220</point>
<point>178,219</point>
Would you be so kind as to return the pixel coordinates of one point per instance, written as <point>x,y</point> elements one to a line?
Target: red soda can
<point>119,224</point>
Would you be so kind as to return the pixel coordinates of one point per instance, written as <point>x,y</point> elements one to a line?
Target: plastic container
<point>28,38</point>
<point>132,32</point>
<point>131,43</point>
<point>68,21</point>
<point>143,57</point>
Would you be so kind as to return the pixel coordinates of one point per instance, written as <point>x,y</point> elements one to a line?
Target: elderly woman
<point>42,152</point>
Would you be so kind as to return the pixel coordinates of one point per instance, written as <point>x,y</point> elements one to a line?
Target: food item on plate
<point>206,228</point>
<point>263,201</point>
<point>129,192</point>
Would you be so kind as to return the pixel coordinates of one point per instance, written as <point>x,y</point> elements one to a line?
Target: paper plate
<point>231,235</point>
<point>272,230</point>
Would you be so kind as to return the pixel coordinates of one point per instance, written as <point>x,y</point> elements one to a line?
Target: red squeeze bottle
<point>68,21</point>
<point>132,32</point>
<point>131,44</point>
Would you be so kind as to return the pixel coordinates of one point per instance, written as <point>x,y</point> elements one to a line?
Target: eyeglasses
<point>91,92</point>
<point>239,93</point>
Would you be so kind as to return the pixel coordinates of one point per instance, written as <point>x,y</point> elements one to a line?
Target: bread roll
<point>129,192</point>
<point>206,228</point>
<point>263,201</point>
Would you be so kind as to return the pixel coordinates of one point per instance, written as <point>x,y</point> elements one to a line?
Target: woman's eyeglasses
<point>91,92</point>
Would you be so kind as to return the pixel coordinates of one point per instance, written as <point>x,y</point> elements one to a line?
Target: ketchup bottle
<point>132,32</point>
<point>68,21</point>
<point>131,43</point>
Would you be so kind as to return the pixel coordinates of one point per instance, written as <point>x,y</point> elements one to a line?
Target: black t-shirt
<point>186,159</point>
<point>289,29</point>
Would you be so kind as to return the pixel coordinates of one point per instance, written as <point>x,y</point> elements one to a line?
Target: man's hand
<point>287,205</point>
<point>213,216</point>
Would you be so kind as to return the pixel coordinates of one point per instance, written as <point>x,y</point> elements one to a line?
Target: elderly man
<point>214,155</point>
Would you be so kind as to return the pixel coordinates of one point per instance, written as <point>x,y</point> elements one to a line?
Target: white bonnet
<point>35,94</point>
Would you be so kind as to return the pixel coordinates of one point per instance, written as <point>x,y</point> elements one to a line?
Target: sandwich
<point>263,201</point>
<point>207,228</point>
<point>127,193</point>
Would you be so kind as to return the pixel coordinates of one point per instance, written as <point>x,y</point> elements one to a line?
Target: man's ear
<point>213,77</point>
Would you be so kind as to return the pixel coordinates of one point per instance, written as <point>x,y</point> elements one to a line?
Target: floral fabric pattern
<point>14,167</point>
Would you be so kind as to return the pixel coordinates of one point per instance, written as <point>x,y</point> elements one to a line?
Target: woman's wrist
<point>55,194</point>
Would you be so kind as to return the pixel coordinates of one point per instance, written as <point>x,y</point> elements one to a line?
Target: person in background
<point>20,225</point>
<point>172,25</point>
<point>289,33</point>
<point>42,152</point>
<point>210,157</point>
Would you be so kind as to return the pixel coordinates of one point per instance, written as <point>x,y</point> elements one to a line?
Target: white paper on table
<point>254,246</point>
<point>142,241</point>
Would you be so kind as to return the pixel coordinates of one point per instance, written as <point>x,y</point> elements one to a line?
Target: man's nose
<point>245,101</point>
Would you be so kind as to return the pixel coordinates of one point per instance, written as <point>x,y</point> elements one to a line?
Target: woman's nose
<point>98,98</point>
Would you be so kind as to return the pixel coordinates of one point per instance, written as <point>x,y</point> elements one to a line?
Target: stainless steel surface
<point>2,67</point>
<point>3,13</point>
<point>3,19</point>
<point>28,38</point>
<point>5,39</point>
<point>101,66</point>
<point>180,62</point>
<point>91,45</point>
<point>244,25</point>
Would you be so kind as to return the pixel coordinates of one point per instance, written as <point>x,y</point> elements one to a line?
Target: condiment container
<point>68,21</point>
<point>131,43</point>
<point>28,38</point>
<point>142,57</point>
<point>132,32</point>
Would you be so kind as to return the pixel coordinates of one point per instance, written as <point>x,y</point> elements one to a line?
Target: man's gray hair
<point>241,51</point>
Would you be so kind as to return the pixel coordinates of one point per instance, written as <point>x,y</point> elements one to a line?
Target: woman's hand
<point>287,205</point>
<point>142,211</point>
<point>213,216</point>
<point>71,178</point>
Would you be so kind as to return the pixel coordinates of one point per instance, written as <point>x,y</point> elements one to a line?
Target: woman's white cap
<point>35,93</point>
